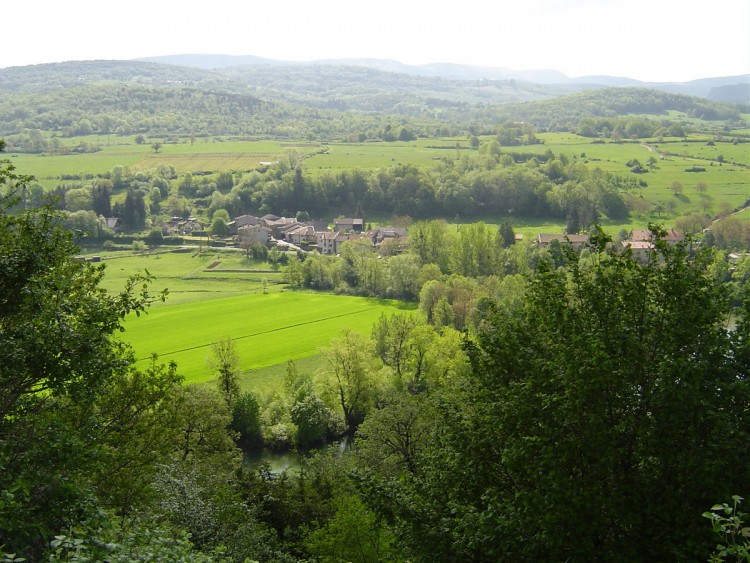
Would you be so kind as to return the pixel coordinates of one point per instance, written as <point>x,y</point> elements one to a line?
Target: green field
<point>220,293</point>
<point>190,276</point>
<point>218,156</point>
<point>727,183</point>
<point>369,156</point>
<point>205,155</point>
<point>267,329</point>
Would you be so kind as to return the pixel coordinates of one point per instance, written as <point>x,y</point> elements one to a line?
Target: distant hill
<point>731,89</point>
<point>317,85</point>
<point>610,103</point>
<point>54,76</point>
<point>311,101</point>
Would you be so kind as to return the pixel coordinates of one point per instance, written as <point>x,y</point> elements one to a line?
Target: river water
<point>289,460</point>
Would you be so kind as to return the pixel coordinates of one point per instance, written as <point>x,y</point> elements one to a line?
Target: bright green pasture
<point>701,150</point>
<point>224,156</point>
<point>49,169</point>
<point>269,379</point>
<point>190,276</point>
<point>267,329</point>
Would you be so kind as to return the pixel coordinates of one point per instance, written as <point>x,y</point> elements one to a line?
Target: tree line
<point>492,183</point>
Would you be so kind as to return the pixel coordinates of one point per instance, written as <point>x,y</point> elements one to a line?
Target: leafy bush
<point>729,524</point>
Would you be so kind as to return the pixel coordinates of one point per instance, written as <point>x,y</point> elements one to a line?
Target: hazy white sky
<point>653,40</point>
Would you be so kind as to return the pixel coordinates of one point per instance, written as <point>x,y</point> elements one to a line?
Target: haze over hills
<point>730,89</point>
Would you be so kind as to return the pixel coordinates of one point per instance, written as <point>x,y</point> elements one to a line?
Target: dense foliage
<point>97,458</point>
<point>601,416</point>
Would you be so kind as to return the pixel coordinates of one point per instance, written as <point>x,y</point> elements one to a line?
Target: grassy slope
<point>207,303</point>
<point>726,182</point>
<point>187,275</point>
<point>267,329</point>
<point>210,155</point>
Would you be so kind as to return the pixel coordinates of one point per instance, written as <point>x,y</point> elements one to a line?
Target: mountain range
<point>729,89</point>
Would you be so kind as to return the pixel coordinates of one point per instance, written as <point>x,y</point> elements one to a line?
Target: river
<point>289,460</point>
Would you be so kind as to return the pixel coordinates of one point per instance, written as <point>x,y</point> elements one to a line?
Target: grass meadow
<point>370,156</point>
<point>205,155</point>
<point>220,293</point>
<point>190,276</point>
<point>728,182</point>
<point>267,328</point>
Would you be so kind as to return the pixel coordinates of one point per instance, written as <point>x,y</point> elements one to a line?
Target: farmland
<point>726,175</point>
<point>267,329</point>
<point>268,326</point>
<point>204,155</point>
<point>193,275</point>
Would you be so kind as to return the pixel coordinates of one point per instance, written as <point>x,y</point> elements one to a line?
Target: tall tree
<point>506,235</point>
<point>101,194</point>
<point>225,361</point>
<point>352,383</point>
<point>134,210</point>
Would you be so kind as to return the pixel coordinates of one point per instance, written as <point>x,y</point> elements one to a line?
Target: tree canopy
<point>600,418</point>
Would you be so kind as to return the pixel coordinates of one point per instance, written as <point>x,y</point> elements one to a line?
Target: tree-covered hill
<point>567,112</point>
<point>132,108</point>
<point>304,101</point>
<point>56,76</point>
<point>369,89</point>
<point>337,86</point>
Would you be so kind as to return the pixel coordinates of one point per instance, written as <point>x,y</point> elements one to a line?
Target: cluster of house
<point>289,233</point>
<point>181,226</point>
<point>640,242</point>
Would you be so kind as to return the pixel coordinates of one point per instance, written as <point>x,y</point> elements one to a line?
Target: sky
<point>650,40</point>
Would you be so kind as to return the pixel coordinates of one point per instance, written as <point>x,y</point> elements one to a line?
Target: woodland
<point>539,405</point>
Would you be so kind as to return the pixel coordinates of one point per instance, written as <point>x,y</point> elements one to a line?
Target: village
<point>291,234</point>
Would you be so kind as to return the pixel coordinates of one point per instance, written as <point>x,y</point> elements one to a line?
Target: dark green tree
<point>134,210</point>
<point>101,194</point>
<point>597,424</point>
<point>59,448</point>
<point>506,234</point>
<point>246,419</point>
<point>224,182</point>
<point>219,227</point>
<point>298,187</point>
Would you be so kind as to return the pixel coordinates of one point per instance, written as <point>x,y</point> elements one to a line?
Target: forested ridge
<point>303,101</point>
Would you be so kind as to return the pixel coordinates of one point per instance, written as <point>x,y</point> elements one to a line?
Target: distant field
<point>204,155</point>
<point>726,182</point>
<point>368,156</point>
<point>267,329</point>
